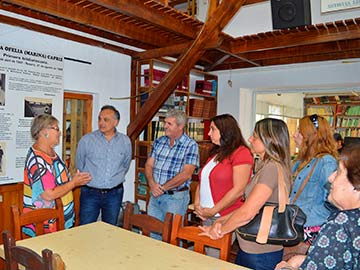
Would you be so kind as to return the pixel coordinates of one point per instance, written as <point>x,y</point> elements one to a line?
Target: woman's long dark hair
<point>231,137</point>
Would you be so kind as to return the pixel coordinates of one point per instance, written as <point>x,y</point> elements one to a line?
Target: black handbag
<point>277,224</point>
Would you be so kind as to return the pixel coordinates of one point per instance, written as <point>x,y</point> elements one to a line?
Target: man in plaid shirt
<point>173,159</point>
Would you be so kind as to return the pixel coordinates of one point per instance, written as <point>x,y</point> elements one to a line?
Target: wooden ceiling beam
<point>173,50</point>
<point>221,16</point>
<point>247,2</point>
<point>296,37</point>
<point>74,26</point>
<point>294,60</point>
<point>250,2</point>
<point>63,34</point>
<point>162,52</point>
<point>329,47</point>
<point>218,62</point>
<point>137,9</point>
<point>78,14</point>
<point>313,58</point>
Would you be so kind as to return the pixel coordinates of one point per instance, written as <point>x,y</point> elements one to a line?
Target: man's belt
<point>104,190</point>
<point>172,191</point>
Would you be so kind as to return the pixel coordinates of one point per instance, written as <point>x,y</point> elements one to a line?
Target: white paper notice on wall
<point>337,5</point>
<point>31,83</point>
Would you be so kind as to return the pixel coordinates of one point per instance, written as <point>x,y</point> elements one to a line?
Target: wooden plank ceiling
<point>155,29</point>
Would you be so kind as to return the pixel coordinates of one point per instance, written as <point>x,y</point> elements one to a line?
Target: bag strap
<point>282,189</point>
<point>266,218</point>
<point>305,182</point>
<point>265,224</point>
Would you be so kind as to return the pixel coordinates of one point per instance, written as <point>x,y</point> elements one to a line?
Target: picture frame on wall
<point>338,5</point>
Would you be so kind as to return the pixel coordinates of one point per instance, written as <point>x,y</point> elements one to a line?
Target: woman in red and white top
<point>226,172</point>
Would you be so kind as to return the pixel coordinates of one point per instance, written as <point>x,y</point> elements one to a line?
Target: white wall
<point>331,76</point>
<point>239,99</point>
<point>256,18</point>
<point>107,76</point>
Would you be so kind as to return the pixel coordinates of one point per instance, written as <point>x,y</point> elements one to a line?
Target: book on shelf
<point>158,129</point>
<point>158,75</point>
<point>353,110</point>
<point>142,190</point>
<point>196,107</point>
<point>203,87</point>
<point>142,178</point>
<point>180,103</point>
<point>320,110</point>
<point>196,130</point>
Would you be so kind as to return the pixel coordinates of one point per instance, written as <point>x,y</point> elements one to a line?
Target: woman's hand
<point>81,178</point>
<point>203,212</point>
<point>214,231</point>
<point>284,266</point>
<point>292,264</point>
<point>78,179</point>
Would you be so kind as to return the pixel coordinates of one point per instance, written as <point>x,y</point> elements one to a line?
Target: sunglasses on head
<point>314,119</point>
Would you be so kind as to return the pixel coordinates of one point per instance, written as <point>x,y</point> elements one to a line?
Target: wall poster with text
<point>31,83</point>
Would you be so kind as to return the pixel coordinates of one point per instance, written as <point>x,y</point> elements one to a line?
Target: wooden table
<point>102,246</point>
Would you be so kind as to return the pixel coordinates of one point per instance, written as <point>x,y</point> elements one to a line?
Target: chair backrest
<point>147,224</point>
<point>37,217</point>
<point>15,255</point>
<point>191,234</point>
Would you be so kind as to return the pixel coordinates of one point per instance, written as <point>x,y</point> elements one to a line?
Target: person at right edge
<point>315,162</point>
<point>337,247</point>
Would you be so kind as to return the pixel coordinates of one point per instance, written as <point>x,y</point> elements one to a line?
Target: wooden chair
<point>37,217</point>
<point>190,218</point>
<point>191,234</point>
<point>147,224</point>
<point>15,255</point>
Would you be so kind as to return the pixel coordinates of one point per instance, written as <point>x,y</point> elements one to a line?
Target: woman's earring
<point>46,135</point>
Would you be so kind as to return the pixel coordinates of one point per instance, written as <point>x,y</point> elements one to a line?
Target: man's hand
<point>156,189</point>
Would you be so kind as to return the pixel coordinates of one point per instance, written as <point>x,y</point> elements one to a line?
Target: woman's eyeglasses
<point>54,128</point>
<point>314,119</point>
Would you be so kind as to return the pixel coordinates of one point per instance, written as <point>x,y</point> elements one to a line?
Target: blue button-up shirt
<point>312,199</point>
<point>106,161</point>
<point>169,161</point>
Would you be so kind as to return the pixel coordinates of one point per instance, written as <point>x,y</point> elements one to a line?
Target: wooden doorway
<point>77,121</point>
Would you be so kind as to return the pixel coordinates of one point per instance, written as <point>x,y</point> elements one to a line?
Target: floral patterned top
<point>338,244</point>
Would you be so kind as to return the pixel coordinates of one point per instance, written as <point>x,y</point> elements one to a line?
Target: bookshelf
<point>325,110</point>
<point>196,95</point>
<point>348,120</point>
<point>342,113</point>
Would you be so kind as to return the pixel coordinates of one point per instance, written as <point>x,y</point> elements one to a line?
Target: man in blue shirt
<point>173,159</point>
<point>106,154</point>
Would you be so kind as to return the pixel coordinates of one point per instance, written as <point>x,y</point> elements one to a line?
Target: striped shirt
<point>169,161</point>
<point>41,173</point>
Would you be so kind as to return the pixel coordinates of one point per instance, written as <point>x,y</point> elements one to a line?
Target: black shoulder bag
<point>276,224</point>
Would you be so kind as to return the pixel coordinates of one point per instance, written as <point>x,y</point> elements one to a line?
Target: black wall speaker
<point>290,13</point>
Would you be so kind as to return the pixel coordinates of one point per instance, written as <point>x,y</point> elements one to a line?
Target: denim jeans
<point>264,261</point>
<point>93,201</point>
<point>176,204</point>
